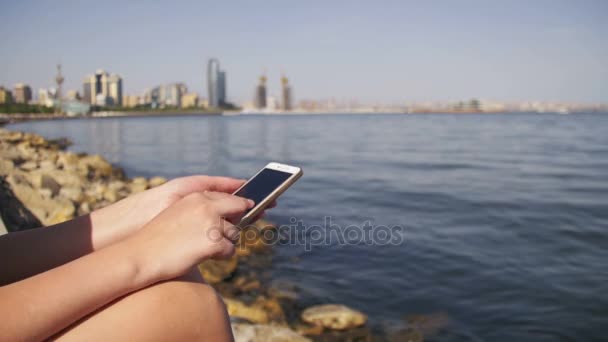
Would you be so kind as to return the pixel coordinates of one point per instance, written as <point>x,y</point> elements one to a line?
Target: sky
<point>391,52</point>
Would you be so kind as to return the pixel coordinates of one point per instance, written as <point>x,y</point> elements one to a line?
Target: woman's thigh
<point>183,309</point>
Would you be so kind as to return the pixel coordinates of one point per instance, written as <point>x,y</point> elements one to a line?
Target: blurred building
<point>73,95</point>
<point>46,97</point>
<point>190,100</point>
<point>165,95</point>
<point>271,103</point>
<point>130,101</point>
<point>260,94</point>
<point>103,89</point>
<point>216,84</point>
<point>22,93</point>
<point>285,94</point>
<point>5,96</point>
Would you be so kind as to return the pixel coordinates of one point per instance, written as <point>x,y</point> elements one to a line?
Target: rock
<point>214,271</point>
<point>47,165</point>
<point>68,161</point>
<point>273,309</point>
<point>48,182</point>
<point>254,314</point>
<point>48,211</point>
<point>247,284</point>
<point>334,316</point>
<point>73,193</point>
<point>6,166</point>
<point>252,238</point>
<point>138,184</point>
<point>265,333</point>
<point>29,166</point>
<point>110,195</point>
<point>14,213</point>
<point>94,166</point>
<point>156,181</point>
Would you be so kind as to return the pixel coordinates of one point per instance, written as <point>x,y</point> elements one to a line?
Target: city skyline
<point>375,53</point>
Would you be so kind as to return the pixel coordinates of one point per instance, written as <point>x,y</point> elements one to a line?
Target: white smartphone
<point>265,187</point>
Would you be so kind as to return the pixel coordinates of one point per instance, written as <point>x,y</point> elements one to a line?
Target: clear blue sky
<point>374,51</point>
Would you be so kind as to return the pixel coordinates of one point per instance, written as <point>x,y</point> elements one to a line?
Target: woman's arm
<point>181,236</point>
<point>27,253</point>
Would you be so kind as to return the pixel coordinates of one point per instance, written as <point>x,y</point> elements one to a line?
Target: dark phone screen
<point>263,184</point>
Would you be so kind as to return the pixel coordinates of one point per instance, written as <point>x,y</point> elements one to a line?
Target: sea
<point>497,224</point>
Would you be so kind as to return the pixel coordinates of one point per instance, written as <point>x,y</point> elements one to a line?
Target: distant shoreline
<point>21,117</point>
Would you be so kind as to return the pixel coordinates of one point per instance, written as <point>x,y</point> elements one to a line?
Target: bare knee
<point>181,309</point>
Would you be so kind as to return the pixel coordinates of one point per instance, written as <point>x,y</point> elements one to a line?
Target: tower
<point>216,84</point>
<point>260,93</point>
<point>59,80</point>
<point>285,94</point>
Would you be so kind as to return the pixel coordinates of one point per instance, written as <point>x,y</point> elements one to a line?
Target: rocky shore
<point>43,184</point>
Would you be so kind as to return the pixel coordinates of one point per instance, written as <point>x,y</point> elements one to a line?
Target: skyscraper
<point>216,84</point>
<point>286,94</point>
<point>23,93</point>
<point>260,94</point>
<point>103,89</point>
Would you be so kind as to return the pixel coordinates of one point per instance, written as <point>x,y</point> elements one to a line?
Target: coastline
<point>43,184</point>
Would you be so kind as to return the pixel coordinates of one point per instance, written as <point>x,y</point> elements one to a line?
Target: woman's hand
<point>192,229</point>
<point>121,219</point>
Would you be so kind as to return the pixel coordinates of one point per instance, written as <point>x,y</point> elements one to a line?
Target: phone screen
<point>263,184</point>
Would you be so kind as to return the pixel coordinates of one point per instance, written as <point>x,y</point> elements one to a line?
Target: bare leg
<point>183,309</point>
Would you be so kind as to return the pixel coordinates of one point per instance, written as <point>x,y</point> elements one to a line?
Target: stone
<point>334,316</point>
<point>138,184</point>
<point>265,333</point>
<point>254,314</point>
<point>110,195</point>
<point>6,166</point>
<point>273,309</point>
<point>214,271</point>
<point>29,166</point>
<point>48,182</point>
<point>47,165</point>
<point>63,210</point>
<point>68,160</point>
<point>94,166</point>
<point>157,181</point>
<point>73,193</point>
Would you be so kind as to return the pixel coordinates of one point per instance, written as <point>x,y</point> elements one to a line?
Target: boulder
<point>263,333</point>
<point>138,184</point>
<point>29,166</point>
<point>6,167</point>
<point>334,316</point>
<point>156,181</point>
<point>94,166</point>
<point>254,314</point>
<point>214,271</point>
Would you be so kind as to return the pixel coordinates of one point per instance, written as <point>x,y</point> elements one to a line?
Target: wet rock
<point>254,314</point>
<point>263,333</point>
<point>334,316</point>
<point>214,271</point>
<point>273,309</point>
<point>156,181</point>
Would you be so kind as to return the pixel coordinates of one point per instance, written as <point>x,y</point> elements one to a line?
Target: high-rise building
<point>103,89</point>
<point>260,94</point>
<point>130,101</point>
<point>216,84</point>
<point>165,95</point>
<point>46,97</point>
<point>285,94</point>
<point>22,93</point>
<point>190,100</point>
<point>5,96</point>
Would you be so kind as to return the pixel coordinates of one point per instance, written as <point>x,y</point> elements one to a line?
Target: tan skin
<point>83,278</point>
